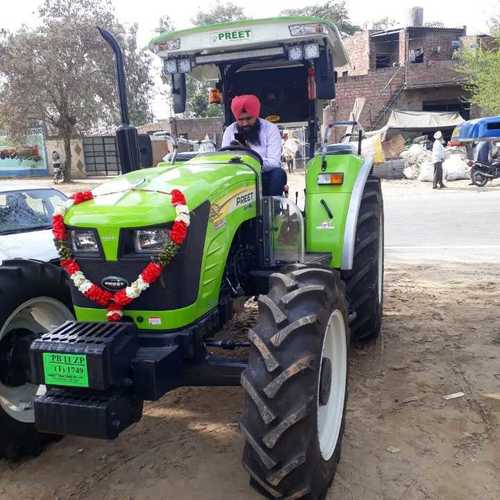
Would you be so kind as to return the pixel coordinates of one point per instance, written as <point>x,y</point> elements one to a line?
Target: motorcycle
<point>58,174</point>
<point>481,173</point>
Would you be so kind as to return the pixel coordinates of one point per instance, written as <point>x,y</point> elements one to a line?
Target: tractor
<point>316,271</point>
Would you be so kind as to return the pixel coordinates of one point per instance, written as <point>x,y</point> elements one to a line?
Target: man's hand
<point>240,140</point>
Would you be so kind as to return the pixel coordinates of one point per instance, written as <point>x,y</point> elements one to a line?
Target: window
<point>416,55</point>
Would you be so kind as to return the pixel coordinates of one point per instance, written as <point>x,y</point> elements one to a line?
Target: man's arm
<point>273,153</point>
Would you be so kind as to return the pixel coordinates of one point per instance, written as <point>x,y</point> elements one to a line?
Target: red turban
<point>249,104</point>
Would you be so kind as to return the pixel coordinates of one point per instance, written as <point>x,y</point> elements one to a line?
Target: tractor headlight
<point>295,53</point>
<point>306,29</point>
<point>84,240</point>
<point>184,65</point>
<point>170,66</point>
<point>150,240</point>
<point>311,51</point>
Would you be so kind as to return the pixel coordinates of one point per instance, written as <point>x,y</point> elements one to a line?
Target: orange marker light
<point>335,179</point>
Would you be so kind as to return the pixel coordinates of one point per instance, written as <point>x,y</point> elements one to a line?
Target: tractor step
<point>318,259</point>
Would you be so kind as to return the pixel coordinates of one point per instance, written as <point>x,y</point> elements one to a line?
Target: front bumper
<point>98,374</point>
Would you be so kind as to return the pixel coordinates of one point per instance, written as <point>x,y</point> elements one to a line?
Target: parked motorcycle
<point>58,174</point>
<point>481,173</point>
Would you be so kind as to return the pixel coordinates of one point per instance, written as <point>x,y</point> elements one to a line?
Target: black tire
<point>365,282</point>
<point>282,451</point>
<point>22,281</point>
<point>478,179</point>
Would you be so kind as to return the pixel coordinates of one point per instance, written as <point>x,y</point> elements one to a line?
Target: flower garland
<point>115,302</point>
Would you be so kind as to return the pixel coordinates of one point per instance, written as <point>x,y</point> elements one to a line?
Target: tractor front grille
<point>179,283</point>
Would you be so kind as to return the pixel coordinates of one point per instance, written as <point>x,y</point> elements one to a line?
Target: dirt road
<point>441,335</point>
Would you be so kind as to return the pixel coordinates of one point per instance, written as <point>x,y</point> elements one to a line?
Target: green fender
<point>337,234</point>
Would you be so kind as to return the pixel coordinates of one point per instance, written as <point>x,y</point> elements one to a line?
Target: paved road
<point>458,224</point>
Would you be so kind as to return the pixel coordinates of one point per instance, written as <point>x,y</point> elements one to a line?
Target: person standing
<point>437,160</point>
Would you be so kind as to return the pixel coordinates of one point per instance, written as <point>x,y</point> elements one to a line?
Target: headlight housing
<point>84,241</point>
<point>150,240</point>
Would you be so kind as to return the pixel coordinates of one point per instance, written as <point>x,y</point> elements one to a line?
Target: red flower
<point>58,227</point>
<point>98,295</point>
<point>113,314</point>
<point>121,298</point>
<point>82,196</point>
<point>178,233</point>
<point>151,272</point>
<point>178,197</point>
<point>70,266</point>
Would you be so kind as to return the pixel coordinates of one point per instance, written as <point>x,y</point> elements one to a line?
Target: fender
<point>352,214</point>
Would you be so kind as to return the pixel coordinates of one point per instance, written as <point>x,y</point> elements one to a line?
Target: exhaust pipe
<point>127,138</point>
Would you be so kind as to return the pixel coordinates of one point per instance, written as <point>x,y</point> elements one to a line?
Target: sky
<point>147,12</point>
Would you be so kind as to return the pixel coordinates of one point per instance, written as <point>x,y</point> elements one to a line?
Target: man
<point>262,137</point>
<point>437,160</point>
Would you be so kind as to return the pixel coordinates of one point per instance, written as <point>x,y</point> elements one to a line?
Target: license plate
<point>65,369</point>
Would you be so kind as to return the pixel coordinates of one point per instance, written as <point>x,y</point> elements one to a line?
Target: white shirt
<point>270,143</point>
<point>437,151</point>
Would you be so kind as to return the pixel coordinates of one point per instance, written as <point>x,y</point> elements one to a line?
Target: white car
<point>25,222</point>
<point>34,298</point>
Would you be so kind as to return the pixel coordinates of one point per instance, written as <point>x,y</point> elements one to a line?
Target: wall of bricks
<point>374,87</point>
<point>357,49</point>
<point>437,44</point>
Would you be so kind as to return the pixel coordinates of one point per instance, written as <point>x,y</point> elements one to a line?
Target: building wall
<point>374,87</point>
<point>436,43</point>
<point>357,47</point>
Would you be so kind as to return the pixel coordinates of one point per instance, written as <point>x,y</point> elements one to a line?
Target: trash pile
<point>418,163</point>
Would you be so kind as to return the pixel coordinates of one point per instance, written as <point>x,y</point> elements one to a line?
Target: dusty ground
<point>441,335</point>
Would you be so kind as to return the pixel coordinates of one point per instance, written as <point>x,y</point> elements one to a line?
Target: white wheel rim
<point>330,415</point>
<point>381,261</point>
<point>38,315</point>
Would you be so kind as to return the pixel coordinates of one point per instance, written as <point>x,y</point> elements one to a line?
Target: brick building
<point>412,68</point>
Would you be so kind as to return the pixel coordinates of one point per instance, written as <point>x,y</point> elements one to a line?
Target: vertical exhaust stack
<point>126,135</point>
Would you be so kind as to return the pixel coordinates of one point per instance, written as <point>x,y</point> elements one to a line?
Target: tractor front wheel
<point>296,385</point>
<point>34,298</point>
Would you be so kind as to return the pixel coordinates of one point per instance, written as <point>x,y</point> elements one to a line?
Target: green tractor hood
<point>141,198</point>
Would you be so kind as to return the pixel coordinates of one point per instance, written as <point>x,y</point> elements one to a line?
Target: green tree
<point>481,68</point>
<point>61,73</point>
<point>220,12</point>
<point>384,23</point>
<point>331,10</point>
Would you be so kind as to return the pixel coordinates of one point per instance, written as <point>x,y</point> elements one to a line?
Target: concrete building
<point>411,68</point>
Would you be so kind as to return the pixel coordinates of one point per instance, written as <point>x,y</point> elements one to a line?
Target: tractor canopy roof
<point>252,40</point>
<point>487,128</point>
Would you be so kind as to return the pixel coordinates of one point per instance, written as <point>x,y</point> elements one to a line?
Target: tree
<point>220,13</point>
<point>481,68</point>
<point>384,23</point>
<point>331,10</point>
<point>61,73</point>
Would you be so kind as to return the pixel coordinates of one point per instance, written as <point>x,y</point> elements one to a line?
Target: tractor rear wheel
<point>296,385</point>
<point>34,298</point>
<point>365,282</point>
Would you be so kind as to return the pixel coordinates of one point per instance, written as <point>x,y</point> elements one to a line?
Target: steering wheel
<point>244,149</point>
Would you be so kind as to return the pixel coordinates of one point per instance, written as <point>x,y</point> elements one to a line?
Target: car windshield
<point>28,210</point>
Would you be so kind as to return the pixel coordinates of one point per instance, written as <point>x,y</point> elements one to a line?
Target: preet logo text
<point>231,36</point>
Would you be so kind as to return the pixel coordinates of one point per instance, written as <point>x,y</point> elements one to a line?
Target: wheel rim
<point>330,415</point>
<point>37,315</point>
<point>380,284</point>
<point>480,179</point>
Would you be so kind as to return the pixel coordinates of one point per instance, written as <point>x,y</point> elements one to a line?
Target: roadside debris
<point>392,449</point>
<point>492,395</point>
<point>418,163</point>
<point>455,395</point>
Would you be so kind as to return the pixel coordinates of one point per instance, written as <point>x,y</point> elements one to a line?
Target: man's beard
<point>251,133</point>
